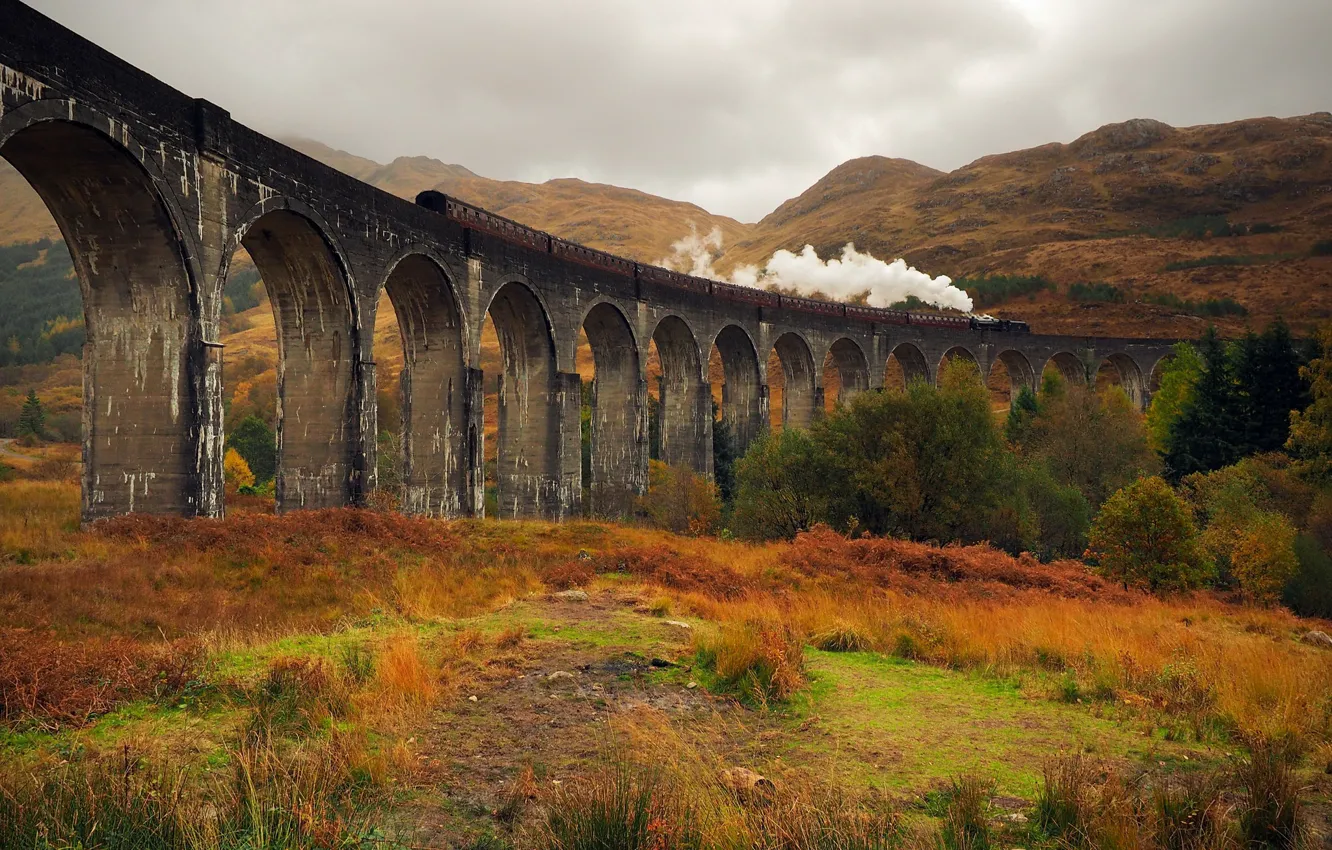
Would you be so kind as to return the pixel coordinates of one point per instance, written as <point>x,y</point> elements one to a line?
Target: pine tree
<point>32,418</point>
<point>723,456</point>
<point>1020,415</point>
<point>1270,387</point>
<point>1210,432</point>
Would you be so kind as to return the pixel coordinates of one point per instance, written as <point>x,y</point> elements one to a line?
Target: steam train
<point>475,218</point>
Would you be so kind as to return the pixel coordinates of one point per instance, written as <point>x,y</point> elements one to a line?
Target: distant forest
<point>43,314</point>
<point>42,317</point>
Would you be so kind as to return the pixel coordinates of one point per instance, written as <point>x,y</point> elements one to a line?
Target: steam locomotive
<point>475,218</point>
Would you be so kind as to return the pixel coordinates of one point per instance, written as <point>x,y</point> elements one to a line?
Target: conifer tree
<point>1210,432</point>
<point>1270,387</point>
<point>1020,415</point>
<point>32,418</point>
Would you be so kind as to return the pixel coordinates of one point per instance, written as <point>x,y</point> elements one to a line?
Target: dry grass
<point>762,661</point>
<point>53,684</point>
<point>404,679</point>
<point>309,796</point>
<point>1211,663</point>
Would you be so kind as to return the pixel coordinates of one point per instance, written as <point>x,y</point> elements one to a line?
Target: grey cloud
<point>734,105</point>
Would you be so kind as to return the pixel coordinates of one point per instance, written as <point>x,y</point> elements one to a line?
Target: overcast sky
<point>736,105</point>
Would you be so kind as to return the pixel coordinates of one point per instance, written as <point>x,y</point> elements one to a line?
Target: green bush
<point>1062,804</point>
<point>966,823</point>
<point>1309,592</point>
<point>1196,227</point>
<point>1207,262</point>
<point>1096,292</point>
<point>1144,536</point>
<point>1322,248</point>
<point>777,491</point>
<point>994,289</point>
<point>1210,307</point>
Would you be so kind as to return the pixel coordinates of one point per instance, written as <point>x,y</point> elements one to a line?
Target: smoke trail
<point>840,278</point>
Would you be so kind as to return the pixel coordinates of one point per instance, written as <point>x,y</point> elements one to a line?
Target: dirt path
<point>549,706</point>
<point>6,451</point>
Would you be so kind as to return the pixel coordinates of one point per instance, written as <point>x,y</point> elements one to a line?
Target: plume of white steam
<point>805,273</point>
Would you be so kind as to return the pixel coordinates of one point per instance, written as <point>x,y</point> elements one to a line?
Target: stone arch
<point>912,362</point>
<point>1125,372</point>
<point>1019,369</point>
<point>742,402</point>
<point>529,476</point>
<point>1158,368</point>
<point>846,359</point>
<point>799,382</point>
<point>144,446</point>
<point>684,398</point>
<point>433,386</point>
<point>1069,366</point>
<point>619,420</point>
<point>321,456</point>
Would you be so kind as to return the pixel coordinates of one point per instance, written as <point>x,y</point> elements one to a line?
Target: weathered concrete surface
<point>155,191</point>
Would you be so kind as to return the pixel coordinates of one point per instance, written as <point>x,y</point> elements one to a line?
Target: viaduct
<point>155,192</point>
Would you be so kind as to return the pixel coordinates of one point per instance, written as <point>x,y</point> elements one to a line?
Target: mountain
<point>1130,205</point>
<point>23,215</point>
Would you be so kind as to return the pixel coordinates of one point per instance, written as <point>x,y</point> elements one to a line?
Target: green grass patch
<point>903,726</point>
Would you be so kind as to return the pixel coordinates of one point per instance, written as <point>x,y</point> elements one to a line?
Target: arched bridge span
<point>155,192</point>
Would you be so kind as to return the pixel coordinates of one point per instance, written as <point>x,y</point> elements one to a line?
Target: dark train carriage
<point>744,294</point>
<point>938,320</point>
<point>675,280</point>
<point>882,315</point>
<point>812,305</point>
<point>476,218</point>
<point>591,257</point>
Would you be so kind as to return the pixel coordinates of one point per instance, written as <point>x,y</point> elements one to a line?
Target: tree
<point>921,463</point>
<point>1210,432</point>
<point>1179,376</point>
<point>1144,537</point>
<point>32,419</point>
<point>1094,441</point>
<point>1252,543</point>
<point>254,441</point>
<point>1021,412</point>
<point>1263,556</point>
<point>1311,429</point>
<point>1270,387</point>
<point>680,500</point>
<point>778,487</point>
<point>235,471</point>
<point>723,456</point>
<point>1061,512</point>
